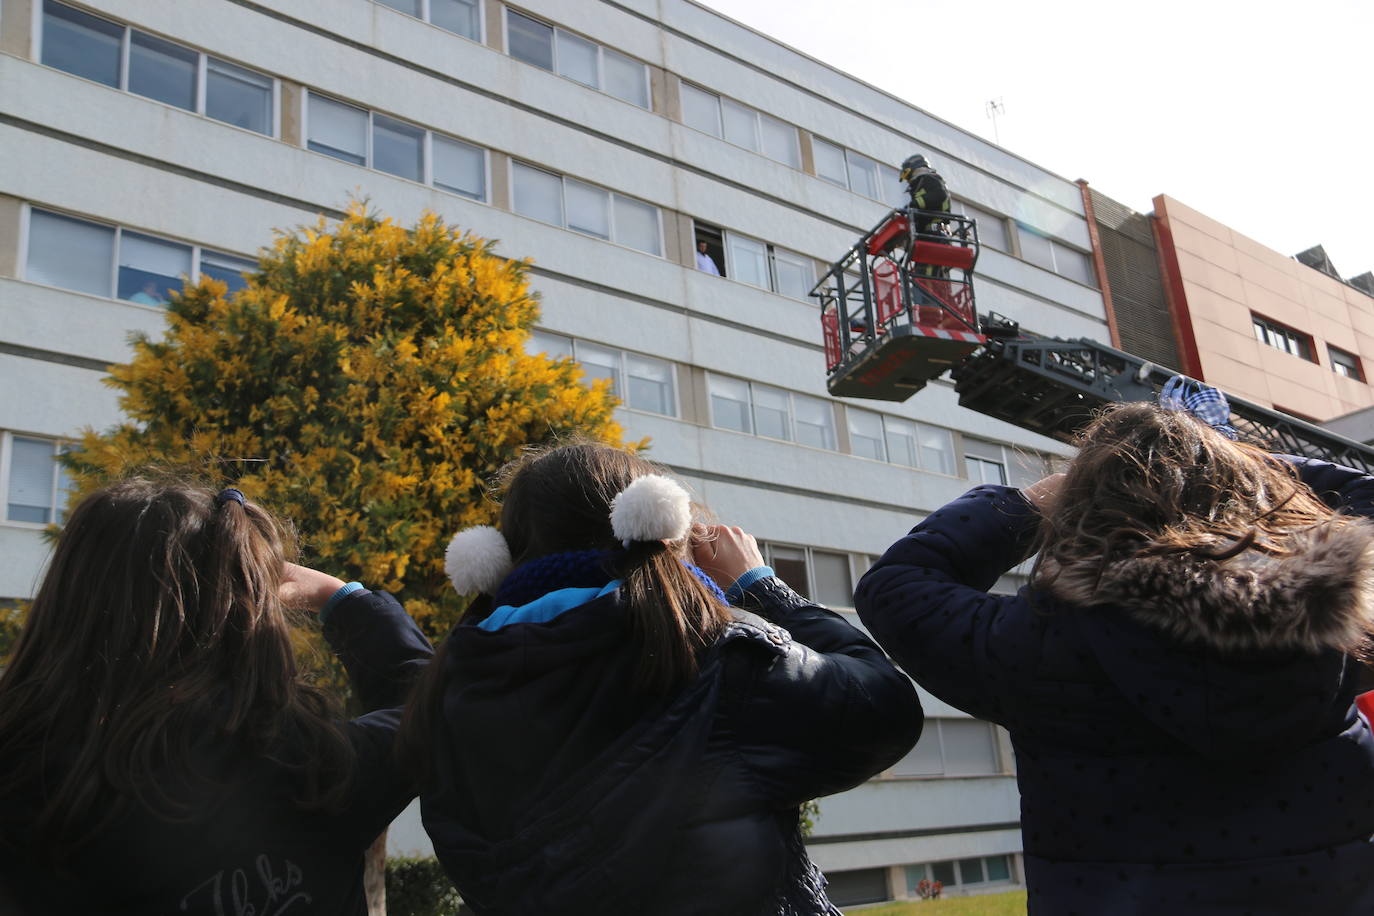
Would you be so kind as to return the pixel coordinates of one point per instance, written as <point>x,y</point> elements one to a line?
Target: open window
<point>709,241</point>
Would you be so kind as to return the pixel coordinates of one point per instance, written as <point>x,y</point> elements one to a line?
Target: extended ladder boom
<point>1052,386</point>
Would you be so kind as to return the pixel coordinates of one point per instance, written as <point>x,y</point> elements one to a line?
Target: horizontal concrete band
<point>50,356</point>
<point>96,365</point>
<point>905,834</point>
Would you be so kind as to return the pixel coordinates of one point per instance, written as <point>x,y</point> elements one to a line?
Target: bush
<point>419,887</point>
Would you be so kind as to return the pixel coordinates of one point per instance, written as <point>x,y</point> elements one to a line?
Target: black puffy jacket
<point>563,791</point>
<point>244,845</point>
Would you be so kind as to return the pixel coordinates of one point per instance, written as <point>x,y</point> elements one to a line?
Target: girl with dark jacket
<point>160,752</point>
<point>1178,676</point>
<point>604,733</point>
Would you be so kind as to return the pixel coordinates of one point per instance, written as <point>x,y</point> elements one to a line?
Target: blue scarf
<point>571,569</point>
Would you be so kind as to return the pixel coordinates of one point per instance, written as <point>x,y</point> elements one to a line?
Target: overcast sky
<point>1255,112</point>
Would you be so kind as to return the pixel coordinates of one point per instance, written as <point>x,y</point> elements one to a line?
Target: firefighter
<point>930,199</point>
<point>928,194</point>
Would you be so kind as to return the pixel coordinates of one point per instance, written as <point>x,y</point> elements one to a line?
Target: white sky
<point>1258,113</point>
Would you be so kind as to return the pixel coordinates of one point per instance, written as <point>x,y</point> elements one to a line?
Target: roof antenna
<point>994,108</point>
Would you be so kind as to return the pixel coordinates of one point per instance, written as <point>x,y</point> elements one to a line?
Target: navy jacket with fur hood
<point>562,791</point>
<point>1185,736</point>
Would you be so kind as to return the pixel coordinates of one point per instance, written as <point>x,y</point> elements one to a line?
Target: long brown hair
<point>157,627</point>
<point>1151,482</point>
<point>559,499</point>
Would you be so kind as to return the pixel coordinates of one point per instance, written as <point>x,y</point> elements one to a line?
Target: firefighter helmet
<point>911,164</point>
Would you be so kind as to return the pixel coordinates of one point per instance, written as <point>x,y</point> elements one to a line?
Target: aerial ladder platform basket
<point>897,311</point>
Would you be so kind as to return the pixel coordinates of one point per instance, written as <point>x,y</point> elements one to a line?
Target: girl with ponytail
<point>633,708</point>
<point>160,751</point>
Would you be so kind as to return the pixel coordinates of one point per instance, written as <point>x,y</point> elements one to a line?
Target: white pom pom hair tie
<point>651,508</point>
<point>477,560</point>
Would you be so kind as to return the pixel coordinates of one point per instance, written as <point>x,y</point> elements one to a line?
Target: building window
<point>82,44</point>
<point>863,175</point>
<point>863,885</point>
<point>640,382</point>
<point>755,262</point>
<point>906,442</point>
<point>730,404</point>
<point>110,261</point>
<point>701,110</point>
<point>746,260</point>
<point>740,125</point>
<point>751,407</point>
<point>35,482</point>
<point>369,139</point>
<point>1346,364</point>
<point>985,461</point>
<point>586,208</point>
<point>770,412</point>
<point>918,445</point>
<point>163,71</point>
<point>793,274</point>
<point>337,130</point>
<point>1043,251</point>
<point>1282,337</point>
<point>814,421</point>
<point>823,576</point>
<point>873,179</point>
<point>830,163</point>
<point>952,747</point>
<point>860,174</point>
<point>227,268</point>
<point>398,148</point>
<point>834,584</point>
<point>97,49</point>
<point>954,873</point>
<point>992,229</point>
<point>459,168</point>
<point>238,96</point>
<point>578,59</point>
<point>150,269</point>
<point>461,17</point>
<point>70,253</point>
<point>866,434</point>
<point>981,470</point>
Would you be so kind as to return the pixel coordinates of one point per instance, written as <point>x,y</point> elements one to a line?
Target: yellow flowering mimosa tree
<point>366,385</point>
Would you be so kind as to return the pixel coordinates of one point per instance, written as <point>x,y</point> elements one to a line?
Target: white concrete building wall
<point>73,146</point>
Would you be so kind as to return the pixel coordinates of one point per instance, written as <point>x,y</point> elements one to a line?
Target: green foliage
<point>1012,903</point>
<point>419,887</point>
<point>810,813</point>
<point>366,384</point>
<point>11,622</point>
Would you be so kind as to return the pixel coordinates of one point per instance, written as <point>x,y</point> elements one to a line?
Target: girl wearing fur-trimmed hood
<point>1177,677</point>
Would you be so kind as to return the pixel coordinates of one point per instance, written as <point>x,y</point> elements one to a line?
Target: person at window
<point>607,731</point>
<point>161,751</point>
<point>149,294</point>
<point>1177,677</point>
<point>705,262</point>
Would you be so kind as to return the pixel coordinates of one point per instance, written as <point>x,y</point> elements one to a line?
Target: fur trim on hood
<point>1319,596</point>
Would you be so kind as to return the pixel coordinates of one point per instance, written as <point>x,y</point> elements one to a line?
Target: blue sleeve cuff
<point>735,592</point>
<point>339,596</point>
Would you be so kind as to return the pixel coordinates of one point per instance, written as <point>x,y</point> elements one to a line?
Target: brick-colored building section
<point>1228,280</point>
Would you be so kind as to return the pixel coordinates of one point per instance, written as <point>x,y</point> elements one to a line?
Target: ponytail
<point>673,615</point>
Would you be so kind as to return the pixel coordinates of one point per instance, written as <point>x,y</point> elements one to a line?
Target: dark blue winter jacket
<point>244,846</point>
<point>1187,746</point>
<point>563,790</point>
